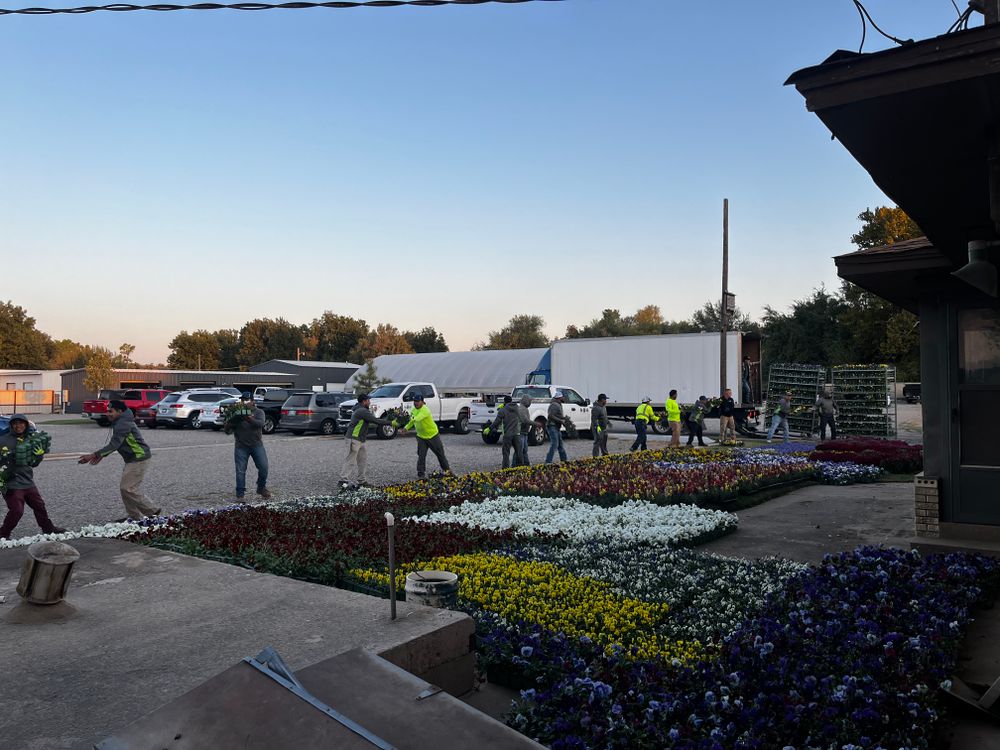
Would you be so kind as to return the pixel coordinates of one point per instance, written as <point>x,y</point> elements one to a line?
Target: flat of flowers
<point>142,626</point>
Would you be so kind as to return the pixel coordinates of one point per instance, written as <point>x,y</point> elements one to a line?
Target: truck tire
<point>662,427</point>
<point>328,427</point>
<point>536,436</point>
<point>269,424</point>
<point>103,421</point>
<point>151,424</point>
<point>461,426</point>
<point>492,438</point>
<point>385,432</point>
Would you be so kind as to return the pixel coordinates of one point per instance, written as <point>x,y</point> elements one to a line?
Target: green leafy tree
<point>266,338</point>
<point>807,334</point>
<point>21,343</point>
<point>426,340</point>
<point>193,351</point>
<point>100,370</point>
<point>522,332</point>
<point>368,380</point>
<point>385,339</point>
<point>336,336</point>
<point>123,358</point>
<point>645,321</point>
<point>708,319</point>
<point>228,340</point>
<point>66,354</point>
<point>611,323</point>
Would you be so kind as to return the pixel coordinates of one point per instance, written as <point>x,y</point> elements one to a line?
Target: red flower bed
<point>318,544</point>
<point>896,456</point>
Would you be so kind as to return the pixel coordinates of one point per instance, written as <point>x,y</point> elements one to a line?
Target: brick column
<point>927,505</point>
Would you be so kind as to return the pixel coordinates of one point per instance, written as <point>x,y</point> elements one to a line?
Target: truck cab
<point>575,407</point>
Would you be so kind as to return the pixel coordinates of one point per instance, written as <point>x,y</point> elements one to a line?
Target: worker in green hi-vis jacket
<point>428,436</point>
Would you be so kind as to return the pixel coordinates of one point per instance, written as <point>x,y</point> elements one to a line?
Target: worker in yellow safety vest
<point>427,436</point>
<point>644,414</point>
<point>674,419</point>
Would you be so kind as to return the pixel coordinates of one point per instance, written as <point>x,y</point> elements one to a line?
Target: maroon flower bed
<point>318,544</point>
<point>895,456</point>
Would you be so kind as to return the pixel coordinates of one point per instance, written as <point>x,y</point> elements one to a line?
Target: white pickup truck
<point>575,407</point>
<point>453,412</point>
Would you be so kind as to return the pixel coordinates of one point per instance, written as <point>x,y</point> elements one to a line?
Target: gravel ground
<point>194,469</point>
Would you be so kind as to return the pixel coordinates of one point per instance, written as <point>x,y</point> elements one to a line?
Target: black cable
<point>257,6</point>
<point>956,8</point>
<point>962,23</point>
<point>863,10</point>
<point>864,26</point>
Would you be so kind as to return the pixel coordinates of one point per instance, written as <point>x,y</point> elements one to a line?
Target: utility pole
<point>990,10</point>
<point>723,315</point>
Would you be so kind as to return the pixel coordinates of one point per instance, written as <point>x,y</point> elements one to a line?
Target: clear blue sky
<point>421,166</point>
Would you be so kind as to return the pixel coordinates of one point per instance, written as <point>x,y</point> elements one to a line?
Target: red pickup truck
<point>97,408</point>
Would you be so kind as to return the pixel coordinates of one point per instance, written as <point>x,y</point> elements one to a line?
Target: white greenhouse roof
<point>471,371</point>
<point>313,363</point>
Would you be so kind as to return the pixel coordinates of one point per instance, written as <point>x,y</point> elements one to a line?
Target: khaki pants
<point>357,455</point>
<point>675,431</point>
<point>727,425</point>
<point>136,503</point>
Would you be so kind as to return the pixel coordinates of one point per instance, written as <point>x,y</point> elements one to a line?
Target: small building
<point>923,121</point>
<point>313,376</point>
<point>171,380</point>
<point>30,391</point>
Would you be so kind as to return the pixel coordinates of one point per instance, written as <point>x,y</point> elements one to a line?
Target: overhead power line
<point>117,7</point>
<point>866,18</point>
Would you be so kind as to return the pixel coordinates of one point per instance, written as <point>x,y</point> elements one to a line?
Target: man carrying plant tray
<point>245,422</point>
<point>427,436</point>
<point>20,452</point>
<point>356,436</point>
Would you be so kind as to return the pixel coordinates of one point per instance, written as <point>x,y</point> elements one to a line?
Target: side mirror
<point>408,397</point>
<point>586,402</point>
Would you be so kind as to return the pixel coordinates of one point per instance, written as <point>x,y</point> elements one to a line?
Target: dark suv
<point>312,412</point>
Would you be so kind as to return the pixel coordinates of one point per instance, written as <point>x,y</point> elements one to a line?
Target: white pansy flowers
<point>632,521</point>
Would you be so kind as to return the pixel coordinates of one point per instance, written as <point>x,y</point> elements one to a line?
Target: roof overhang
<point>896,272</point>
<point>924,121</point>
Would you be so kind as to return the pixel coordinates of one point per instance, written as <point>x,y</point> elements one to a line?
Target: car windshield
<point>387,391</point>
<point>533,392</point>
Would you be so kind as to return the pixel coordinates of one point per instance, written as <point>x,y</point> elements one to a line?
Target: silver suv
<point>312,412</point>
<point>184,408</point>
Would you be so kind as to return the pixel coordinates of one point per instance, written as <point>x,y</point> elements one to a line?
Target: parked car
<point>911,393</point>
<point>185,408</point>
<point>312,412</point>
<point>141,398</point>
<point>575,407</point>
<point>272,403</point>
<point>212,416</point>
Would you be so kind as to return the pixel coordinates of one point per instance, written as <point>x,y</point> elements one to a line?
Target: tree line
<point>847,326</point>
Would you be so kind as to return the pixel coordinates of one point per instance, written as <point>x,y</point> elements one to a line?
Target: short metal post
<point>391,522</point>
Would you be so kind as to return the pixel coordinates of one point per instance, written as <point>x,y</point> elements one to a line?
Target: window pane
<point>978,427</point>
<point>979,346</point>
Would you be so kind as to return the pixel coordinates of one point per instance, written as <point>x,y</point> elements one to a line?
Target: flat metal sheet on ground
<point>244,709</point>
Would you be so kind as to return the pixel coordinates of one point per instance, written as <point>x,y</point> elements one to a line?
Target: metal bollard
<point>391,523</point>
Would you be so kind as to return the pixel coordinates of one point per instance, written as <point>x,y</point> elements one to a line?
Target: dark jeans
<point>640,436</point>
<point>436,447</point>
<point>600,443</point>
<point>824,420</point>
<point>695,430</point>
<point>16,500</point>
<point>243,455</point>
<point>513,441</point>
<point>523,439</point>
<point>555,444</point>
<point>747,395</point>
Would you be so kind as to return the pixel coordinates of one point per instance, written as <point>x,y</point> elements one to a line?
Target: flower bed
<point>849,654</point>
<point>896,456</point>
<point>632,521</point>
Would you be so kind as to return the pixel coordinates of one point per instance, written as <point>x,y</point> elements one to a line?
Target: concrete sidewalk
<point>142,626</point>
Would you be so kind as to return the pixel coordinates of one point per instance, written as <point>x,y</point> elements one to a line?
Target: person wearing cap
<point>554,425</point>
<point>696,421</point>
<point>19,455</point>
<point>246,424</point>
<point>644,414</point>
<point>428,437</point>
<point>599,425</point>
<point>127,441</point>
<point>674,419</point>
<point>356,435</point>
<point>826,408</point>
<point>780,417</point>
<point>509,420</point>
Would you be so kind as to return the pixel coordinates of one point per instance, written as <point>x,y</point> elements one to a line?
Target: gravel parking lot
<point>194,469</point>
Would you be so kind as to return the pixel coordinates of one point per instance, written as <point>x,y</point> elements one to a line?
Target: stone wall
<point>927,506</point>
